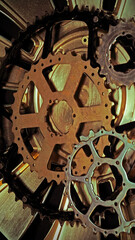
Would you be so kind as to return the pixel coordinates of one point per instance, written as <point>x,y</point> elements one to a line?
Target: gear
<point>120,74</point>
<point>87,210</point>
<point>60,116</point>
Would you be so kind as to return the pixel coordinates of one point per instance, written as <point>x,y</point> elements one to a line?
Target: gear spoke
<point>31,120</point>
<point>91,114</point>
<point>73,79</point>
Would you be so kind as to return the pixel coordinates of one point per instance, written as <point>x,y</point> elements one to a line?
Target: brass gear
<point>60,115</point>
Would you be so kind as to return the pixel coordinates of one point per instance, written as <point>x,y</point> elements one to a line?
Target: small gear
<point>120,74</point>
<point>87,209</point>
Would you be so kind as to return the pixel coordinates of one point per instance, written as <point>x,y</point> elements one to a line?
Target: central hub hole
<point>61,117</point>
<point>107,182</point>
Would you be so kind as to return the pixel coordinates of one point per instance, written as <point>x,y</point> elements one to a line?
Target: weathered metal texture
<point>104,54</point>
<point>99,113</point>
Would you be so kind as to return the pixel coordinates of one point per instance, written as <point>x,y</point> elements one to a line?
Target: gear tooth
<point>91,133</point>
<point>83,138</point>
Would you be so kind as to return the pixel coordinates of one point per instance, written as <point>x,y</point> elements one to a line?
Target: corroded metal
<point>122,29</point>
<point>60,103</point>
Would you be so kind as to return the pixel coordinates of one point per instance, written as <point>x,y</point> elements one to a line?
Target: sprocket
<point>91,202</point>
<point>118,73</point>
<point>59,116</point>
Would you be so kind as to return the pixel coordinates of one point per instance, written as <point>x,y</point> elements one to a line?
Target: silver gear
<point>124,225</point>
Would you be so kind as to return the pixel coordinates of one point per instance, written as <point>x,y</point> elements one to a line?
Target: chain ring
<point>79,114</point>
<point>125,226</point>
<point>103,52</point>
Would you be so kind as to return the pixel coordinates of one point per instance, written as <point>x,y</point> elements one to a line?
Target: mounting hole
<point>34,70</point>
<point>85,39</point>
<point>50,101</point>
<point>117,162</point>
<point>77,214</point>
<point>42,64</point>
<point>92,74</point>
<point>123,33</point>
<point>124,184</point>
<point>74,115</point>
<point>27,77</point>
<point>98,83</point>
<point>98,163</point>
<point>76,172</point>
<point>50,60</point>
<point>84,167</point>
<point>91,160</point>
<point>58,175</point>
<point>18,139</point>
<point>22,148</point>
<point>15,117</point>
<point>101,131</point>
<point>59,58</point>
<point>110,66</point>
<point>116,204</point>
<point>22,86</point>
<point>106,105</point>
<point>27,157</point>
<point>106,117</point>
<point>16,128</point>
<point>65,169</point>
<point>85,67</point>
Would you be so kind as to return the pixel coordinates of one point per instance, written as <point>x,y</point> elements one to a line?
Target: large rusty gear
<point>124,32</point>
<point>60,116</point>
<point>90,198</point>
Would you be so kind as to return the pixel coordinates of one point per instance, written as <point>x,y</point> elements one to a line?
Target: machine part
<point>61,113</point>
<point>112,204</point>
<point>28,104</point>
<point>120,73</point>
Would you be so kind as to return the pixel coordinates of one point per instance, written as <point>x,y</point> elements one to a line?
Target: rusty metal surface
<point>119,77</point>
<point>52,110</point>
<point>56,106</point>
